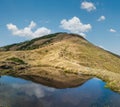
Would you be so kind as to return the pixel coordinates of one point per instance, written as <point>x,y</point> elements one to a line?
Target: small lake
<point>16,92</point>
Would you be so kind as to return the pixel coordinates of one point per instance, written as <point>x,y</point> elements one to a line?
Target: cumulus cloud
<point>101,18</point>
<point>75,25</point>
<point>28,31</point>
<point>112,30</point>
<point>89,6</point>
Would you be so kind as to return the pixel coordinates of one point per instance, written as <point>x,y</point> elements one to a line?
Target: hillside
<point>63,58</point>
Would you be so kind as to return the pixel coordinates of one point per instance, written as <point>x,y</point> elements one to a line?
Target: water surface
<point>16,92</point>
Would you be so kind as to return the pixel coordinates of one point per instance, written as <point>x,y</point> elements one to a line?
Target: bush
<point>17,60</point>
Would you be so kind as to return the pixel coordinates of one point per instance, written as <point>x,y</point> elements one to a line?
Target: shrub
<point>17,60</point>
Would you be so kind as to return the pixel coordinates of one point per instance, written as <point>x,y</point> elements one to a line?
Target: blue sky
<point>97,20</point>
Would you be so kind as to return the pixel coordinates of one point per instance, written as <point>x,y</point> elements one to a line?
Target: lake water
<point>16,92</point>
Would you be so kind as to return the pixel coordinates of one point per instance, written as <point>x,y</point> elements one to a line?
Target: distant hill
<point>60,57</point>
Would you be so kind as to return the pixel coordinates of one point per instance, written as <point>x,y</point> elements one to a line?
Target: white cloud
<point>75,25</point>
<point>28,31</point>
<point>34,89</point>
<point>101,18</point>
<point>112,30</point>
<point>89,6</point>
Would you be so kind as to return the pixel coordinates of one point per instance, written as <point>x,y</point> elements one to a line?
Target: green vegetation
<point>17,60</point>
<point>48,36</point>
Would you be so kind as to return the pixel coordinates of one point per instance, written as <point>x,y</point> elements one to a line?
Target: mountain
<point>61,60</point>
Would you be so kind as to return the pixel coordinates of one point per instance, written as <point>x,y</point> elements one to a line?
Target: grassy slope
<point>69,54</point>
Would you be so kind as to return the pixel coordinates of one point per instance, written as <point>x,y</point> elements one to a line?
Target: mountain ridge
<point>42,40</point>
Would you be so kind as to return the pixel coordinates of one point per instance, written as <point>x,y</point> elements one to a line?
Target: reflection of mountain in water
<point>73,81</point>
